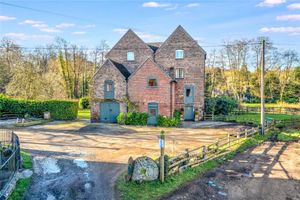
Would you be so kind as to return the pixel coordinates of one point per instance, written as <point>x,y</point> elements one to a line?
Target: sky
<point>211,22</point>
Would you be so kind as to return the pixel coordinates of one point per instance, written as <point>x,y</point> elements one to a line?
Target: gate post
<point>162,157</point>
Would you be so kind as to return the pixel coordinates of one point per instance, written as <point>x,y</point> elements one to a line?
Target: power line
<point>42,11</point>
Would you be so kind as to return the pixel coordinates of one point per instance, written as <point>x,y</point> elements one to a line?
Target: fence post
<point>204,152</point>
<point>246,134</point>
<point>217,145</point>
<point>238,137</point>
<point>162,157</point>
<point>228,139</point>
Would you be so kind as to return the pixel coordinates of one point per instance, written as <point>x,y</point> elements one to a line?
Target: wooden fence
<point>194,157</point>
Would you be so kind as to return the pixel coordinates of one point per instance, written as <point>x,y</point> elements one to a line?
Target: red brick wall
<point>142,95</point>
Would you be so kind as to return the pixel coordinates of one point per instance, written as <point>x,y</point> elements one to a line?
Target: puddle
<point>46,165</point>
<point>80,163</point>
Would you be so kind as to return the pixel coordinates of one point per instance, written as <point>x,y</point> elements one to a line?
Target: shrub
<point>220,105</point>
<point>168,121</point>
<point>133,118</point>
<point>121,118</point>
<point>84,103</point>
<point>59,109</point>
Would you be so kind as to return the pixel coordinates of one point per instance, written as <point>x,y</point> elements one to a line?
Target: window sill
<point>152,86</point>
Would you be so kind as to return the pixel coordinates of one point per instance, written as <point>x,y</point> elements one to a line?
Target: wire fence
<point>10,158</point>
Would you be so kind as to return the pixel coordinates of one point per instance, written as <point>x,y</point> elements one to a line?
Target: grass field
<point>272,105</point>
<point>22,184</point>
<point>84,114</point>
<point>255,117</point>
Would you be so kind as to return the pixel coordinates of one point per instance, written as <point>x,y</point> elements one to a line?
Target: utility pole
<point>262,88</point>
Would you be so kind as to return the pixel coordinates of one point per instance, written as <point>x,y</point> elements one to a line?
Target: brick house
<point>158,77</point>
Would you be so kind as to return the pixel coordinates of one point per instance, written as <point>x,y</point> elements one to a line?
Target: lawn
<point>84,114</point>
<point>272,105</point>
<point>254,118</point>
<point>22,184</point>
<point>155,190</point>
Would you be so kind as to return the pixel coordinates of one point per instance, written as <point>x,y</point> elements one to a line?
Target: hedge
<point>84,103</point>
<point>59,109</point>
<point>220,105</point>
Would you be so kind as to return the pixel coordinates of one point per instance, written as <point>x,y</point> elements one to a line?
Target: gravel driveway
<point>78,160</point>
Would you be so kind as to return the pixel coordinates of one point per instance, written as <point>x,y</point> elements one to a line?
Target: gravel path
<point>78,160</point>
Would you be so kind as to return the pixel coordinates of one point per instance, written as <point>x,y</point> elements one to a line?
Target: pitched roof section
<point>121,68</point>
<point>154,45</point>
<point>130,34</point>
<point>160,67</point>
<point>178,30</point>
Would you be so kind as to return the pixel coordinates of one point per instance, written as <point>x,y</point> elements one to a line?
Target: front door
<point>189,102</point>
<point>109,111</point>
<point>152,113</point>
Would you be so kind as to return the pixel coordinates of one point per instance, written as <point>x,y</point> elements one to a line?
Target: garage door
<point>109,111</point>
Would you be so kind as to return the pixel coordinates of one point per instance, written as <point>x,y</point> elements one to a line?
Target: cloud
<point>65,25</point>
<point>120,30</point>
<point>6,18</point>
<point>79,33</point>
<point>31,22</point>
<point>288,17</point>
<point>290,30</point>
<point>192,5</point>
<point>89,26</point>
<point>50,30</point>
<point>294,6</point>
<point>143,35</point>
<point>23,36</point>
<point>153,4</point>
<point>43,27</point>
<point>271,3</point>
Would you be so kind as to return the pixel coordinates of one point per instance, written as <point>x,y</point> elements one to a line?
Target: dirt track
<point>270,171</point>
<point>78,160</point>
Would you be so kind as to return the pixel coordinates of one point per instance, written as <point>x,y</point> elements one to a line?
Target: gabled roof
<point>130,33</point>
<point>157,65</point>
<point>123,70</point>
<point>181,29</point>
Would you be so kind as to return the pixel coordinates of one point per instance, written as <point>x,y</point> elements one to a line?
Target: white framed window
<point>179,73</point>
<point>130,56</point>
<point>179,54</point>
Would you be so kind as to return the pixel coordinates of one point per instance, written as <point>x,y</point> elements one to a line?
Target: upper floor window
<point>179,54</point>
<point>130,56</point>
<point>152,82</point>
<point>179,73</point>
<point>109,89</point>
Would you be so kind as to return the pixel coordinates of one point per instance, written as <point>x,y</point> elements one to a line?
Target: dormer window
<point>179,54</point>
<point>130,56</point>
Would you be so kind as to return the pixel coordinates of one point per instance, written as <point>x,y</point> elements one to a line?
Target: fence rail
<point>194,157</point>
<point>10,158</point>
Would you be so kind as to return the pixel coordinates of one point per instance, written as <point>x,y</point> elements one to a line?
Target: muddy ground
<point>79,160</point>
<point>270,171</point>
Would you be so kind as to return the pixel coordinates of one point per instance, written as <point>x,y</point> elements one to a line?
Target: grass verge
<point>155,190</point>
<point>22,185</point>
<point>84,114</point>
<point>33,123</point>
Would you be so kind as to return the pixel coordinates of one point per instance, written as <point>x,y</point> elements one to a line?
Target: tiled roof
<point>154,45</point>
<point>121,68</point>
